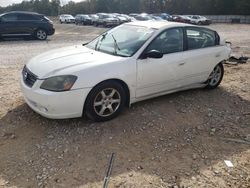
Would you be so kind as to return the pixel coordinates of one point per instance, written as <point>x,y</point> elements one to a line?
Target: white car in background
<point>132,62</point>
<point>199,20</point>
<point>66,18</point>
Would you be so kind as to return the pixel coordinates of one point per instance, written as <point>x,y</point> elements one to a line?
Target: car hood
<point>52,62</point>
<point>111,19</point>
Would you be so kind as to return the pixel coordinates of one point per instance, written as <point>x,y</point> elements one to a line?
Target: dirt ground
<point>178,140</point>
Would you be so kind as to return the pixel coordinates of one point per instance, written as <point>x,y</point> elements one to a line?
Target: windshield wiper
<point>116,47</point>
<point>100,40</point>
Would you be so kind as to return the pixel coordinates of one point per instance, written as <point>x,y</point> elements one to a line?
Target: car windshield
<point>124,40</point>
<point>107,16</point>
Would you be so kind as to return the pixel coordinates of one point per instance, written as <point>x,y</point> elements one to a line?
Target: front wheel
<point>41,34</point>
<point>105,101</point>
<point>215,77</point>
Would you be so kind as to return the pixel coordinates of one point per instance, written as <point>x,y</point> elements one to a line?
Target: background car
<point>23,24</point>
<point>93,18</point>
<point>107,20</point>
<point>180,18</point>
<point>199,20</point>
<point>83,19</point>
<point>143,17</point>
<point>164,16</point>
<point>121,18</point>
<point>157,18</point>
<point>66,18</point>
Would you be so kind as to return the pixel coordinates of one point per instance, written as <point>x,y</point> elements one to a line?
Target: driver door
<point>159,75</point>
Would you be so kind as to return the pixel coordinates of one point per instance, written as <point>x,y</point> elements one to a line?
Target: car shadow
<point>170,137</point>
<point>17,39</point>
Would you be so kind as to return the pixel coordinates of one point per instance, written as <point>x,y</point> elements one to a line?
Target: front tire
<point>215,77</point>
<point>105,101</point>
<point>41,34</point>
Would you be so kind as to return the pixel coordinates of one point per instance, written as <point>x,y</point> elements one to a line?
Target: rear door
<point>202,54</point>
<point>27,23</point>
<point>8,25</point>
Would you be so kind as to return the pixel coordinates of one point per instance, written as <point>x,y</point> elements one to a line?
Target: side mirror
<point>153,54</point>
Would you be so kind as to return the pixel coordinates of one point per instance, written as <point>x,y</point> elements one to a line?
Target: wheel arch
<point>42,28</point>
<point>121,82</point>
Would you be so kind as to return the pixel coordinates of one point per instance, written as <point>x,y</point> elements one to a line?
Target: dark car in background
<point>23,24</point>
<point>83,19</point>
<point>164,16</point>
<point>107,20</point>
<point>181,18</point>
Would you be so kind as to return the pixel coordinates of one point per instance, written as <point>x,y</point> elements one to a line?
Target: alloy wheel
<point>107,102</point>
<point>41,34</point>
<point>215,76</point>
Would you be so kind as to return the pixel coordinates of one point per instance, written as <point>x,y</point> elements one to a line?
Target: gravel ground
<point>178,140</point>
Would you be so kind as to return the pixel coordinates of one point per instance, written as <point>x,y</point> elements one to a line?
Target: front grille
<point>28,77</point>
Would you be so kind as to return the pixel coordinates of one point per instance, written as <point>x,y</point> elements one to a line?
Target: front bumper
<point>55,105</point>
<point>51,31</point>
<point>70,21</point>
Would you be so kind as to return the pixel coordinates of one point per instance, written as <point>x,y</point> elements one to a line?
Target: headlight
<point>59,83</point>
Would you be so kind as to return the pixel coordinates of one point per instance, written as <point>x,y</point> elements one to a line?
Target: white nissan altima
<point>129,63</point>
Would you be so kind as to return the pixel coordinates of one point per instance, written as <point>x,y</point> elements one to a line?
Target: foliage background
<point>202,7</point>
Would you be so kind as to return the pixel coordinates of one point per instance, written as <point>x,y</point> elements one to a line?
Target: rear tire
<point>105,101</point>
<point>215,77</point>
<point>41,34</point>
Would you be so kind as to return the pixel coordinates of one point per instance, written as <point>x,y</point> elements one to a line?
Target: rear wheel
<point>105,101</point>
<point>215,77</point>
<point>41,34</point>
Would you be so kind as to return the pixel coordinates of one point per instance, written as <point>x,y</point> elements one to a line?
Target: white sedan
<point>66,18</point>
<point>132,62</point>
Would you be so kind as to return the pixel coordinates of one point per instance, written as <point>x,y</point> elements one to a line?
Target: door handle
<point>181,64</point>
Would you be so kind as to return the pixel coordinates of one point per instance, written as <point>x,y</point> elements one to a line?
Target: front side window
<point>124,40</point>
<point>200,38</point>
<point>9,17</point>
<point>170,41</point>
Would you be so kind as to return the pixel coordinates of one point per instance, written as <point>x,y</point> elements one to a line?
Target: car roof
<point>23,12</point>
<point>157,24</point>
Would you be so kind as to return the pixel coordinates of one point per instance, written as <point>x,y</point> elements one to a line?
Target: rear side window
<point>27,17</point>
<point>200,38</point>
<point>9,17</point>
